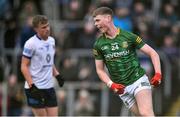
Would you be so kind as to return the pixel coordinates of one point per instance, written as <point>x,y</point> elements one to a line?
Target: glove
<point>60,80</point>
<point>35,92</point>
<point>117,88</point>
<point>156,80</point>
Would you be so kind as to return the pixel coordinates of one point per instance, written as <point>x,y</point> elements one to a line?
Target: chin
<point>101,31</point>
<point>47,35</point>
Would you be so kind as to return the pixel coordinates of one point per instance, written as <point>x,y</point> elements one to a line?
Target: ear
<point>109,18</point>
<point>35,29</point>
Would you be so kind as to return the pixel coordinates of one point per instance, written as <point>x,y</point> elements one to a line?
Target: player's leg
<point>144,102</point>
<point>51,102</point>
<point>141,101</point>
<point>39,111</point>
<point>129,100</point>
<point>52,111</point>
<point>37,104</point>
<point>134,109</point>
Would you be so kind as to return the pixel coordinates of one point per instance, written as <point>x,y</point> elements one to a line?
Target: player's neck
<point>42,37</point>
<point>112,32</point>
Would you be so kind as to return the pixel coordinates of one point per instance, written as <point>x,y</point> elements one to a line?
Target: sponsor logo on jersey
<point>47,47</point>
<point>41,48</point>
<point>116,55</point>
<point>145,84</point>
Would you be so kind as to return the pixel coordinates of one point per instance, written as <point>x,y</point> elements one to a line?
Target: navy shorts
<point>48,99</point>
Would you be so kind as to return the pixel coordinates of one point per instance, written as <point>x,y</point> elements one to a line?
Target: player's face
<point>43,30</point>
<point>101,22</point>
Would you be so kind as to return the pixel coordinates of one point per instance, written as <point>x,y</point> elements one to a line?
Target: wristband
<point>109,83</point>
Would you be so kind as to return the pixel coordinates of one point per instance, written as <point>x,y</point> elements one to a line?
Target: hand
<point>30,83</point>
<point>35,92</point>
<point>60,80</point>
<point>117,88</point>
<point>156,80</point>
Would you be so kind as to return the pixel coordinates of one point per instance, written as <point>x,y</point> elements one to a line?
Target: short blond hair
<point>39,19</point>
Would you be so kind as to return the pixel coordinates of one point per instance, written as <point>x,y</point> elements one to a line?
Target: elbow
<point>154,54</point>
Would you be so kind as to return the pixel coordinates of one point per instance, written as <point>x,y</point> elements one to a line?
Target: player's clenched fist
<point>117,88</point>
<point>156,80</point>
<point>35,92</point>
<point>60,80</point>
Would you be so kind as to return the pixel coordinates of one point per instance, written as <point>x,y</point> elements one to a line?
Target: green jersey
<point>119,56</point>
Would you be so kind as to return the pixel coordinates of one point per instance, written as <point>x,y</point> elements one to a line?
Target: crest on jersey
<point>138,40</point>
<point>124,44</point>
<point>48,58</point>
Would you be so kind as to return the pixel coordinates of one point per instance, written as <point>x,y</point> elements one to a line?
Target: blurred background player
<point>38,68</point>
<point>116,48</point>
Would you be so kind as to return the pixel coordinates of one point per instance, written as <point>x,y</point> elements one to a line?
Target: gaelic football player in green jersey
<point>116,49</point>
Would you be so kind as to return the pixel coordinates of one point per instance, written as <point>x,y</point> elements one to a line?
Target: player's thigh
<point>50,98</point>
<point>32,101</point>
<point>134,109</point>
<point>144,101</point>
<point>39,111</point>
<point>52,111</point>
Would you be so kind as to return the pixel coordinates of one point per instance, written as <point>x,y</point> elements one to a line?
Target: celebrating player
<point>38,68</point>
<point>116,48</point>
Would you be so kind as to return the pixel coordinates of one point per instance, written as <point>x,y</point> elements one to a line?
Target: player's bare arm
<point>55,71</point>
<point>117,88</point>
<point>154,57</point>
<point>25,70</point>
<point>101,71</point>
<point>156,80</point>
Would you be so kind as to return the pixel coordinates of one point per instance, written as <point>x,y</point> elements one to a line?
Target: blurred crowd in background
<point>156,21</point>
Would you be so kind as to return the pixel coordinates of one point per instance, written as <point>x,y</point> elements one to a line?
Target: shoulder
<point>128,34</point>
<point>51,39</point>
<point>99,40</point>
<point>31,41</point>
<point>100,37</point>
